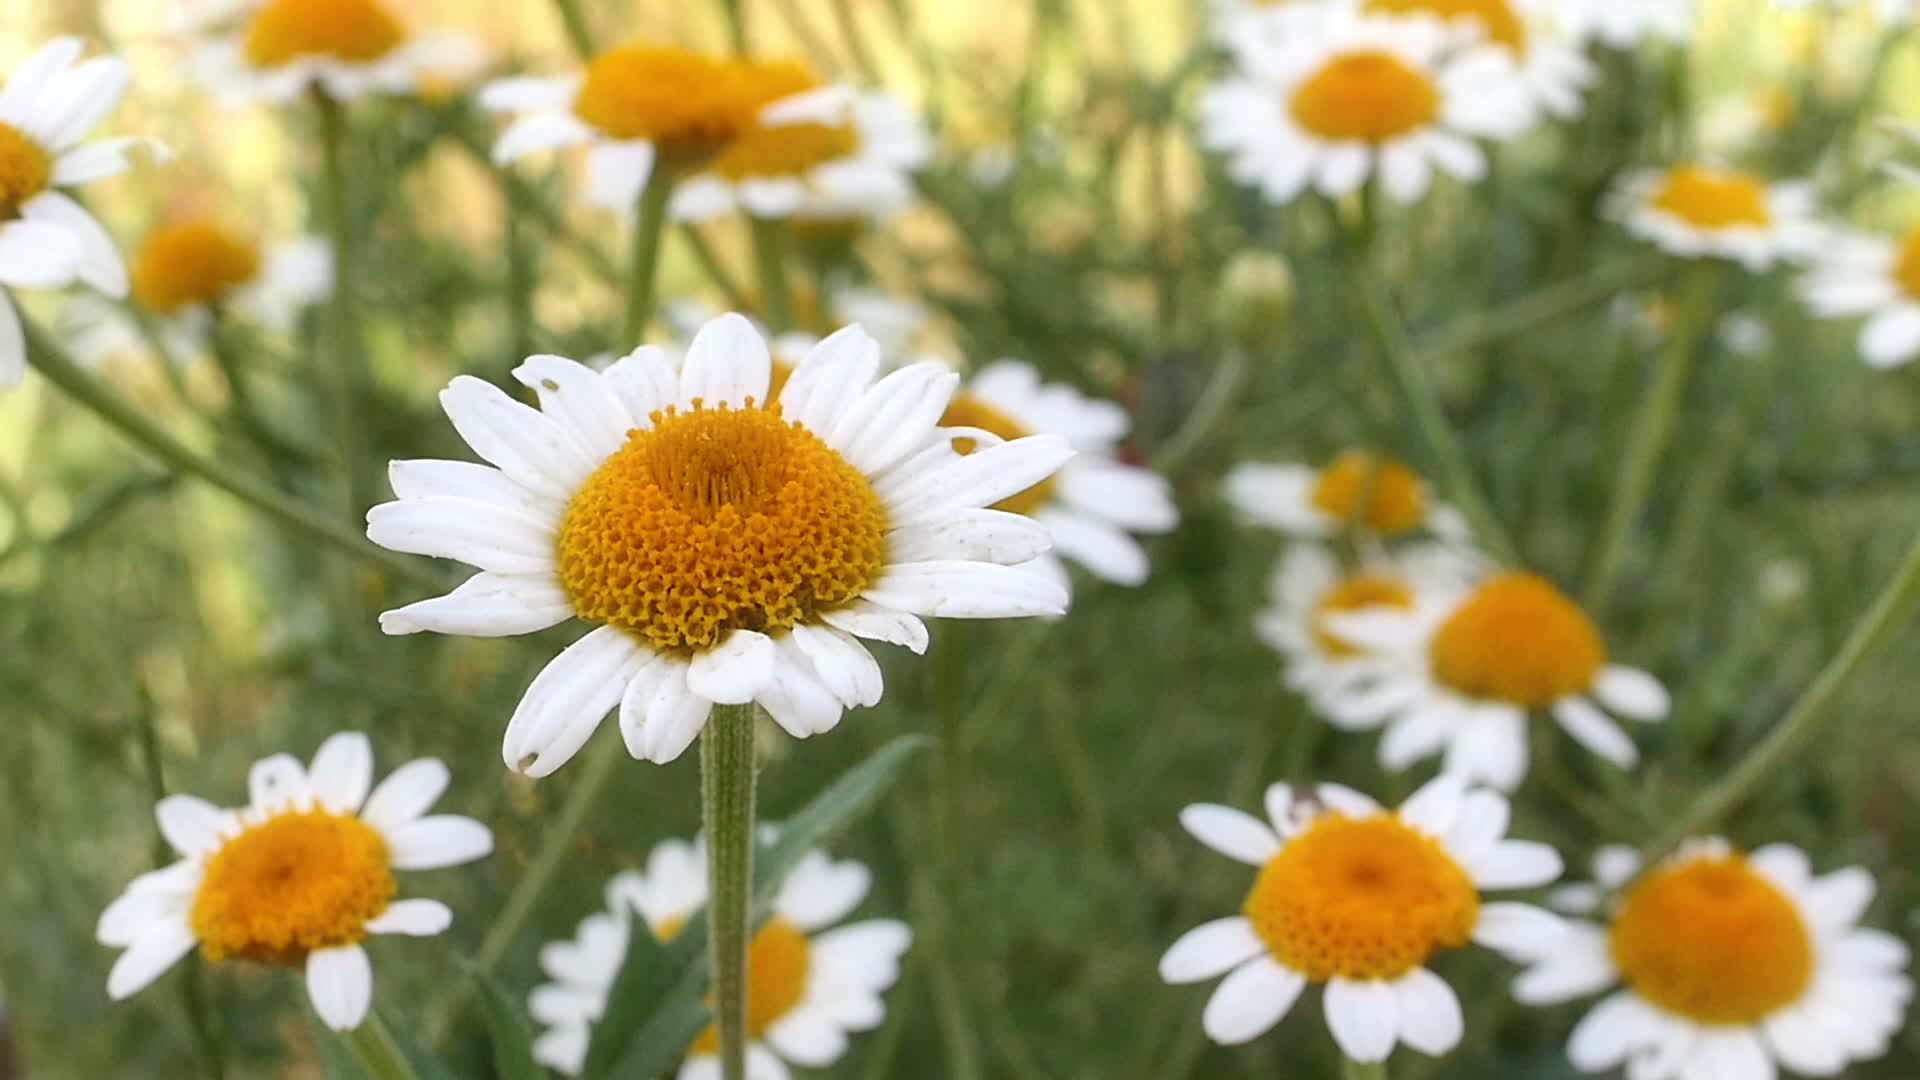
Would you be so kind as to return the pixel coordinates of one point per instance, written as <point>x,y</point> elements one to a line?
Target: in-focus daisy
<point>1360,899</point>
<point>298,878</point>
<point>1624,24</point>
<point>191,269</point>
<point>1552,70</point>
<point>1356,489</point>
<point>1478,664</point>
<point>49,104</point>
<point>809,982</point>
<point>1863,275</point>
<point>729,548</point>
<point>1362,96</point>
<point>1696,211</point>
<point>1092,505</point>
<point>1729,965</point>
<point>277,50</point>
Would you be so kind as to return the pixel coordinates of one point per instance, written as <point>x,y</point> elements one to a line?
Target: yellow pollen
<point>967,410</point>
<point>785,150</point>
<point>1369,95</point>
<point>1520,640</point>
<point>25,170</point>
<point>1356,593</point>
<point>355,31</point>
<point>778,960</point>
<point>294,883</point>
<point>1503,25</point>
<point>1714,198</point>
<point>1713,941</point>
<point>1361,898</point>
<point>1394,498</point>
<point>1906,270</point>
<point>192,262</point>
<point>685,103</point>
<point>715,520</point>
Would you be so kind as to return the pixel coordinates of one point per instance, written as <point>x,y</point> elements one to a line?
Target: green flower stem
<point>342,362</point>
<point>1222,386</point>
<point>1647,441</point>
<point>769,258</point>
<point>1353,1070</point>
<point>1808,717</point>
<point>716,271</point>
<point>1479,328</point>
<point>726,797</point>
<point>578,33</point>
<point>649,229</point>
<point>379,1055</point>
<point>85,388</point>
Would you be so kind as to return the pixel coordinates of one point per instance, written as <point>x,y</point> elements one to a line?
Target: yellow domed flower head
<point>298,878</point>
<point>196,262</point>
<point>1357,490</point>
<point>1728,963</point>
<point>1704,211</point>
<point>1361,899</point>
<point>728,546</point>
<point>278,50</point>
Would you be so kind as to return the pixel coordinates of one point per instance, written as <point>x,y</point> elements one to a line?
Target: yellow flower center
<point>778,960</point>
<point>1504,26</point>
<point>1383,493</point>
<point>294,883</point>
<point>1361,898</point>
<point>193,262</point>
<point>1906,270</point>
<point>25,170</point>
<point>1370,95</point>
<point>785,150</point>
<point>1714,198</point>
<point>687,104</point>
<point>1713,941</point>
<point>1356,593</point>
<point>354,31</point>
<point>1520,640</point>
<point>967,410</point>
<point>715,520</point>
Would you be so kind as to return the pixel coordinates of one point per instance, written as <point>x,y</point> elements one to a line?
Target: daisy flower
<point>1551,68</point>
<point>1477,664</point>
<point>1092,505</point>
<point>1624,24</point>
<point>49,104</point>
<point>191,269</point>
<point>1360,899</point>
<point>1696,211</point>
<point>1363,96</point>
<point>298,878</point>
<point>810,982</point>
<point>278,50</point>
<point>1357,489</point>
<point>729,546</point>
<point>1729,964</point>
<point>1864,275</point>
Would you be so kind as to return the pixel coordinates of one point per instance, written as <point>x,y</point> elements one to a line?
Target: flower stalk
<point>379,1055</point>
<point>342,360</point>
<point>649,229</point>
<point>1354,1070</point>
<point>727,789</point>
<point>769,259</point>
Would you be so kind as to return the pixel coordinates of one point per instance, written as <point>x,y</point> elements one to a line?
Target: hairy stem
<point>726,795</point>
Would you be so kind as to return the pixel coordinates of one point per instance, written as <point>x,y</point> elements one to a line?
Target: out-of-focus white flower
<point>277,50</point>
<point>1356,489</point>
<point>1624,24</point>
<point>1863,275</point>
<point>1700,211</point>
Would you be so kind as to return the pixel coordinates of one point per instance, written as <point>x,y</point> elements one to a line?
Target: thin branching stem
<point>727,780</point>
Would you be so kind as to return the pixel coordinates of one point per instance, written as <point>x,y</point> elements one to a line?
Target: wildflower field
<point>898,539</point>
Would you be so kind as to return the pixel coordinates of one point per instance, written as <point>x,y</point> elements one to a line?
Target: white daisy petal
<point>1104,550</point>
<point>868,620</point>
<point>518,439</point>
<point>617,173</point>
<point>1231,833</point>
<point>342,772</point>
<point>828,379</point>
<point>486,605</point>
<point>894,418</point>
<point>340,983</point>
<point>1133,498</point>
<point>575,396</point>
<point>568,699</point>
<point>993,536</point>
<point>438,840</point>
<point>539,131</point>
<point>13,344</point>
<point>277,782</point>
<point>1435,807</point>
<point>100,264</point>
<point>428,479</point>
<point>981,478</point>
<point>478,534</point>
<point>38,255</point>
<point>1632,693</point>
<point>797,699</point>
<point>843,664</point>
<point>727,364</point>
<point>1364,1017</point>
<point>1249,1001</point>
<point>146,959</point>
<point>807,1039</point>
<point>1606,1036</point>
<point>407,793</point>
<point>1596,731</point>
<point>414,918</point>
<point>1515,864</point>
<point>192,825</point>
<point>1211,949</point>
<point>674,717</point>
<point>1520,931</point>
<point>645,380</point>
<point>821,892</point>
<point>955,589</point>
<point>1428,1012</point>
<point>735,670</point>
<point>1578,964</point>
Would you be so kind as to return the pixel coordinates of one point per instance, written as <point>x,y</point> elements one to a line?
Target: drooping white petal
<point>797,698</point>
<point>865,619</point>
<point>1429,1012</point>
<point>539,131</point>
<point>486,605</point>
<point>844,665</point>
<point>148,958</point>
<point>1632,693</point>
<point>1249,1001</point>
<point>733,671</point>
<point>568,699</point>
<point>1211,949</point>
<point>407,793</point>
<point>673,716</point>
<point>37,255</point>
<point>99,264</point>
<point>413,918</point>
<point>1595,730</point>
<point>342,772</point>
<point>340,983</point>
<point>617,173</point>
<point>1364,1016</point>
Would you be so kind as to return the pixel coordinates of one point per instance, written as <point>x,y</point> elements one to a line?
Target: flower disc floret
<point>1370,95</point>
<point>715,520</point>
<point>785,150</point>
<point>296,882</point>
<point>1714,198</point>
<point>1356,593</point>
<point>1714,941</point>
<point>1503,25</point>
<point>354,31</point>
<point>1361,898</point>
<point>678,99</point>
<point>1383,493</point>
<point>192,262</point>
<point>1520,640</point>
<point>968,410</point>
<point>25,170</point>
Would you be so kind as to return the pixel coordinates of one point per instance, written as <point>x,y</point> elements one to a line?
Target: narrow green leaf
<point>648,977</point>
<point>512,1042</point>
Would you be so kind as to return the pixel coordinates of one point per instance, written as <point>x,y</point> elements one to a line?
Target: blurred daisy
<point>191,269</point>
<point>730,549</point>
<point>1362,96</point>
<point>1360,899</point>
<point>298,878</point>
<point>1864,275</point>
<point>1238,23</point>
<point>1624,24</point>
<point>1552,70</point>
<point>49,104</point>
<point>1478,664</point>
<point>1357,488</point>
<point>1729,965</point>
<point>99,332</point>
<point>1696,211</point>
<point>1749,118</point>
<point>809,982</point>
<point>1092,505</point>
<point>898,323</point>
<point>278,50</point>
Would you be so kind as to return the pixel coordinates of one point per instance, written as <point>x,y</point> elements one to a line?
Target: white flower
<point>1357,487</point>
<point>1624,24</point>
<point>729,552</point>
<point>1360,899</point>
<point>1699,211</point>
<point>49,104</point>
<point>1730,965</point>
<point>1549,64</point>
<point>1864,275</point>
<point>809,982</point>
<point>1362,96</point>
<point>277,50</point>
<point>98,331</point>
<point>300,876</point>
<point>1478,664</point>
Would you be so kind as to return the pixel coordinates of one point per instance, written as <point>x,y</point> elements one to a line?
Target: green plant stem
<point>769,256</point>
<point>1808,717</point>
<point>716,270</point>
<point>1478,328</point>
<point>726,798</point>
<point>1208,410</point>
<point>1353,1070</point>
<point>379,1055</point>
<point>579,35</point>
<point>649,229</point>
<point>1647,441</point>
<point>85,388</point>
<point>342,361</point>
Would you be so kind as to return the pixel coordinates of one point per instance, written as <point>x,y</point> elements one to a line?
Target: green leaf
<point>512,1042</point>
<point>657,1004</point>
